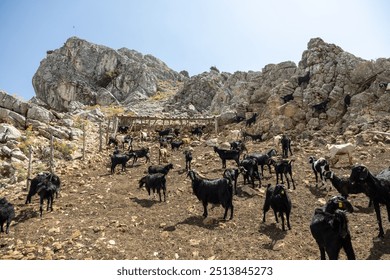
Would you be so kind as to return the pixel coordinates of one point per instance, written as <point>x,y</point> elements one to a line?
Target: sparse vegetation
<point>66,149</point>
<point>26,140</point>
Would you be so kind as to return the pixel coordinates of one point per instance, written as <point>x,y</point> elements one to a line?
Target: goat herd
<point>329,225</point>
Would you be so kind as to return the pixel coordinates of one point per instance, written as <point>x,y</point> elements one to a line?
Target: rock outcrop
<point>335,76</point>
<point>91,74</point>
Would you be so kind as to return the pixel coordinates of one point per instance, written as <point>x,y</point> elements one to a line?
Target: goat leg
<point>347,245</point>
<point>205,209</point>
<point>282,218</point>
<point>379,219</point>
<point>288,219</point>
<point>276,216</point>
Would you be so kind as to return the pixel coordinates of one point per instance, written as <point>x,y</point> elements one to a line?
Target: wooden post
<point>100,137</point>
<point>83,158</point>
<point>108,130</point>
<point>51,163</point>
<point>116,122</point>
<point>29,165</point>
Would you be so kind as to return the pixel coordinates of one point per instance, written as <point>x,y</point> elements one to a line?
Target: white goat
<point>143,135</point>
<point>277,140</point>
<point>340,149</point>
<point>236,134</point>
<point>162,155</point>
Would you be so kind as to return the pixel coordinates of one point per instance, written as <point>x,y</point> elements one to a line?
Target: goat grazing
<point>251,120</point>
<point>112,140</point>
<point>40,178</point>
<point>329,227</point>
<point>228,155</point>
<point>164,169</point>
<point>263,159</point>
<point>249,169</point>
<point>176,144</point>
<point>254,137</point>
<point>164,132</point>
<point>198,130</point>
<point>218,191</point>
<point>336,150</point>
<point>238,146</point>
<point>286,146</point>
<point>188,159</point>
<point>7,214</point>
<point>277,199</point>
<point>319,166</point>
<point>155,182</point>
<point>143,152</point>
<point>120,159</point>
<point>344,186</point>
<point>377,188</point>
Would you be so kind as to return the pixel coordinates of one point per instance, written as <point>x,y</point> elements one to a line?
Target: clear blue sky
<point>188,35</point>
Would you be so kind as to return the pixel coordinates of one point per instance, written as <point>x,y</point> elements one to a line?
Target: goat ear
<point>363,174</point>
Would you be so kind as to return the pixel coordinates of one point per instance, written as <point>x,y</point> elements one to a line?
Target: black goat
<point>127,140</point>
<point>40,178</point>
<point>7,214</point>
<point>238,146</point>
<point>286,146</point>
<point>304,79</point>
<point>120,159</point>
<point>228,155</point>
<point>250,171</point>
<point>155,182</point>
<point>198,130</point>
<point>287,98</point>
<point>188,159</point>
<point>319,166</point>
<point>164,169</point>
<point>347,101</point>
<point>218,191</point>
<point>46,190</point>
<point>164,132</point>
<point>283,167</point>
<point>176,144</point>
<point>277,199</point>
<point>377,188</point>
<point>251,120</point>
<point>238,119</point>
<point>343,185</point>
<point>112,140</point>
<point>123,129</point>
<point>263,159</point>
<point>143,152</point>
<point>321,107</point>
<point>329,227</point>
<point>232,175</point>
<point>253,137</point>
